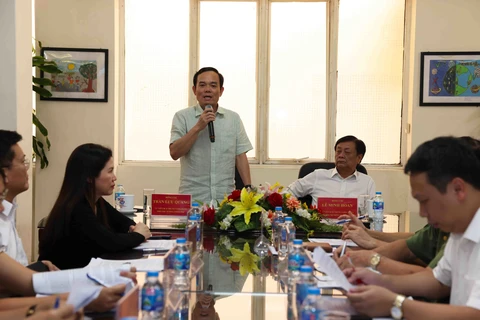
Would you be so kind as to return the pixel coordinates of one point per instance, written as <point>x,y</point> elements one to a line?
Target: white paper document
<point>158,245</point>
<point>329,266</point>
<point>326,282</point>
<point>334,242</point>
<point>82,295</point>
<point>155,264</point>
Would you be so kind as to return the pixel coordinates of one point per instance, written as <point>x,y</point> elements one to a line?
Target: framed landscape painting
<point>84,74</point>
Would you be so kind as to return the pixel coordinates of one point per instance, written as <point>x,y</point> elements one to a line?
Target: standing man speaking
<point>210,142</point>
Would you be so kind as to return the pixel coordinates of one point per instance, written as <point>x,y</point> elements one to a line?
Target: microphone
<point>211,131</point>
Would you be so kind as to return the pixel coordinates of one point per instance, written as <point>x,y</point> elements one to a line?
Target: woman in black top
<point>82,225</point>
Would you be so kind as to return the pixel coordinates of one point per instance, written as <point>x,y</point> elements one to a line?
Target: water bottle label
<point>181,314</point>
<point>182,261</point>
<point>301,292</point>
<point>377,205</point>
<point>310,315</point>
<point>199,234</point>
<point>152,299</point>
<point>295,261</point>
<point>118,194</point>
<point>283,234</point>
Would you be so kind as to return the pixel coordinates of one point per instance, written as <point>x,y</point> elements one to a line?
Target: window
<point>300,74</point>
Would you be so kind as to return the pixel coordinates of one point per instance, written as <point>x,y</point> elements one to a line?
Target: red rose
<point>208,243</point>
<point>275,200</point>
<point>234,266</point>
<point>209,216</point>
<point>235,196</point>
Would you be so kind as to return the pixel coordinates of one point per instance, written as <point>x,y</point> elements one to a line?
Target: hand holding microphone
<point>211,130</point>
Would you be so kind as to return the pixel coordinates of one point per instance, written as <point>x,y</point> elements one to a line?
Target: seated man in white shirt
<point>344,181</point>
<point>15,166</point>
<point>445,180</point>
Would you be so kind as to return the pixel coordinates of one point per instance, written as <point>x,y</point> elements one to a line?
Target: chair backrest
<point>312,166</point>
<point>238,180</point>
<point>41,225</point>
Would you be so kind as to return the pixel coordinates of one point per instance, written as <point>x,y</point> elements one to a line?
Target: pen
<point>348,220</point>
<point>343,248</point>
<point>57,303</point>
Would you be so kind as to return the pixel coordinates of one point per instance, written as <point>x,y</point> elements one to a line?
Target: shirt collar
<point>472,230</point>
<point>199,110</point>
<point>335,172</point>
<point>8,207</point>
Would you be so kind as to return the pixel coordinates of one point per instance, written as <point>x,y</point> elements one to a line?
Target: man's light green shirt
<point>208,169</point>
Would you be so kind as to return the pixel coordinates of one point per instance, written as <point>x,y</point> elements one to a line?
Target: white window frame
<point>262,71</point>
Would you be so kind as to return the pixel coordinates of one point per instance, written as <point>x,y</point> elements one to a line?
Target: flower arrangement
<point>239,255</point>
<point>246,209</point>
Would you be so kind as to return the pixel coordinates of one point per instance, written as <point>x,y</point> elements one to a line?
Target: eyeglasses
<point>3,195</point>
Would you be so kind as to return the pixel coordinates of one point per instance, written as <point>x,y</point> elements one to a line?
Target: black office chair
<point>238,180</point>
<point>309,167</point>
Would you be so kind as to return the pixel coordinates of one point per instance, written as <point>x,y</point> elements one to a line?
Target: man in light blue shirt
<point>208,168</point>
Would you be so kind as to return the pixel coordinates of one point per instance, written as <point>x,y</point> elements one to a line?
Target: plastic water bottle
<point>296,259</point>
<point>305,281</point>
<point>193,222</point>
<point>153,297</point>
<point>278,219</point>
<point>378,207</point>
<point>120,191</point>
<point>311,308</point>
<point>291,232</point>
<point>181,264</point>
<point>181,313</point>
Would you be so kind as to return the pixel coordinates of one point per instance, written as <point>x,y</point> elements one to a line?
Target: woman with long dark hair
<point>82,225</point>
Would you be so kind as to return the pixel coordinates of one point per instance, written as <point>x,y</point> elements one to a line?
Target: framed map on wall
<point>450,79</point>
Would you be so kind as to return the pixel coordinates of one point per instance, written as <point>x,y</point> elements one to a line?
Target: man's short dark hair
<point>7,140</point>
<point>207,69</point>
<point>359,144</point>
<point>444,159</point>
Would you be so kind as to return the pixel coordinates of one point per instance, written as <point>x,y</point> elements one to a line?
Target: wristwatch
<point>396,311</point>
<point>375,260</point>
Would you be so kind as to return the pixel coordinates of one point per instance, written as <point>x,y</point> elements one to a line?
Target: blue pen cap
<point>297,242</point>
<point>181,240</point>
<point>195,204</point>
<point>313,290</point>
<point>288,218</point>
<point>152,274</point>
<point>278,208</point>
<point>306,269</point>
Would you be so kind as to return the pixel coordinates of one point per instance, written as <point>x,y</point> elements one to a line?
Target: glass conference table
<point>250,290</point>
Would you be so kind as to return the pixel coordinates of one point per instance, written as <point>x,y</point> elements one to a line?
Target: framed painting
<point>84,74</point>
<point>450,79</point>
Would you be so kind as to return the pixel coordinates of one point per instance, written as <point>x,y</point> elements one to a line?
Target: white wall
<point>436,25</point>
<point>16,93</point>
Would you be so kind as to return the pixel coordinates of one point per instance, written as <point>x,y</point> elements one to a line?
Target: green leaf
<point>42,91</point>
<point>254,223</point>
<point>43,81</point>
<point>48,143</point>
<point>50,69</point>
<point>40,126</point>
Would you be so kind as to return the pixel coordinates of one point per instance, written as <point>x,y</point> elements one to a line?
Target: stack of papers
<point>156,264</point>
<point>334,242</point>
<point>157,245</point>
<point>81,296</point>
<point>327,265</point>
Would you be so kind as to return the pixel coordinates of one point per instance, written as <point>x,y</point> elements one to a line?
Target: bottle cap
<point>195,204</point>
<point>193,217</point>
<point>307,269</point>
<point>378,192</point>
<point>152,274</point>
<point>288,218</point>
<point>181,240</point>
<point>297,242</point>
<point>278,208</point>
<point>313,290</point>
